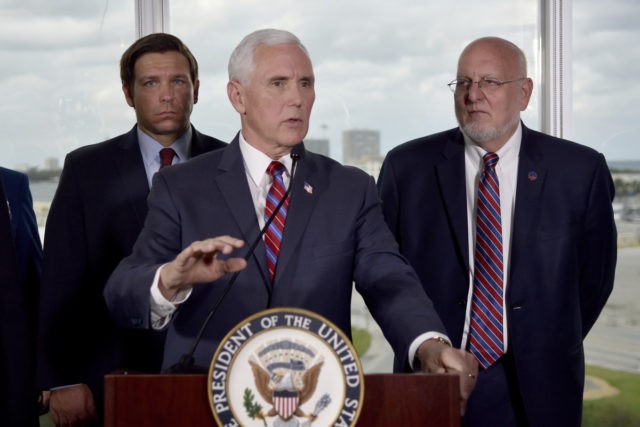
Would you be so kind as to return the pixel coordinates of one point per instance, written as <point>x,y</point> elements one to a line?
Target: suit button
<point>136,321</point>
<point>462,302</point>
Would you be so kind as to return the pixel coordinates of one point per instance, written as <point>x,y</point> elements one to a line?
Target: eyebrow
<point>310,79</point>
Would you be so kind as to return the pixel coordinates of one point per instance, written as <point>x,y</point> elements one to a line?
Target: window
<point>606,58</point>
<point>381,68</point>
<point>380,74</point>
<point>376,69</point>
<point>61,84</point>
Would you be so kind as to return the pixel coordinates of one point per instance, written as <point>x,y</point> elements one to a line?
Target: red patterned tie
<point>166,157</point>
<point>273,236</point>
<point>486,328</point>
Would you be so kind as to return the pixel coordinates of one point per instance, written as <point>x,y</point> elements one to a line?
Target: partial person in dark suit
<point>97,213</point>
<point>21,255</point>
<point>334,232</point>
<point>558,240</point>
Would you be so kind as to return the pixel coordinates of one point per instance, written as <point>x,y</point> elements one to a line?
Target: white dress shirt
<point>150,150</point>
<point>255,166</point>
<point>507,172</point>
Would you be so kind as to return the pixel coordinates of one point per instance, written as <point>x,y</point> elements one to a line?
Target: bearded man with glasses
<point>512,234</point>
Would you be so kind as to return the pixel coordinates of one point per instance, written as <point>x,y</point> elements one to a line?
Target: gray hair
<point>241,64</point>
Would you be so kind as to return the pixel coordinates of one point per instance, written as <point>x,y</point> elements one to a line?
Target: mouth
<point>293,121</point>
<point>167,114</point>
<point>476,113</point>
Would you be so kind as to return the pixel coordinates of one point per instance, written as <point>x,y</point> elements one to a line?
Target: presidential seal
<point>285,367</point>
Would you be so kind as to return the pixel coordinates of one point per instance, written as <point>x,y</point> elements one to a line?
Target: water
<point>624,165</point>
<point>43,191</point>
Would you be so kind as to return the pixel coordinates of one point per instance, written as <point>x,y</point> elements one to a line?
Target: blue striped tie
<point>273,235</point>
<point>486,328</point>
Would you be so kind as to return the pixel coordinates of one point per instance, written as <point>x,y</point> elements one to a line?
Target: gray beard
<point>481,134</point>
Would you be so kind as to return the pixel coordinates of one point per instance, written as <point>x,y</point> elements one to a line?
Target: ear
<point>196,87</point>
<point>128,94</point>
<point>527,90</point>
<point>236,94</point>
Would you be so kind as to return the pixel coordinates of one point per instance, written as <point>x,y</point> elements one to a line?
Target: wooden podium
<point>133,400</point>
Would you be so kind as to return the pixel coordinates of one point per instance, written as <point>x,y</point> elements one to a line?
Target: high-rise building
<point>360,144</point>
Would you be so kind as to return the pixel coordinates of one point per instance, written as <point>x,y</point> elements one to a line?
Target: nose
<point>166,92</point>
<point>474,92</point>
<point>295,95</point>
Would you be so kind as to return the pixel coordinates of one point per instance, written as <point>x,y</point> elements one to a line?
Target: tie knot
<point>166,157</point>
<point>275,169</point>
<point>490,160</point>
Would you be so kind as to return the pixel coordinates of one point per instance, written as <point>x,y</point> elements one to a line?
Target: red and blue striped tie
<point>273,235</point>
<point>486,327</point>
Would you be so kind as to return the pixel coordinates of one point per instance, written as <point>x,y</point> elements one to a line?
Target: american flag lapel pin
<point>532,176</point>
<point>308,188</point>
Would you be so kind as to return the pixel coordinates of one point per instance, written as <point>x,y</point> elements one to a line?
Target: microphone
<point>186,363</point>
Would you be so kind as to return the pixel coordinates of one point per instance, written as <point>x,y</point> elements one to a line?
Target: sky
<point>377,67</point>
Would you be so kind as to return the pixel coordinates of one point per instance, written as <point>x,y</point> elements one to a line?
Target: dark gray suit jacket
<point>335,234</point>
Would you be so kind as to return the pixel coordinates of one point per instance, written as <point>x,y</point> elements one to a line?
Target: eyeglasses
<point>484,84</point>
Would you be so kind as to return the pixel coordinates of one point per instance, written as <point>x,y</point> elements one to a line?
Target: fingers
<point>72,406</point>
<point>221,244</point>
<point>199,263</point>
<point>207,250</point>
<point>232,265</point>
<point>466,366</point>
<point>430,356</point>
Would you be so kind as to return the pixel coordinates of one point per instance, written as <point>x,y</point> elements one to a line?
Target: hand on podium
<point>72,406</point>
<point>438,357</point>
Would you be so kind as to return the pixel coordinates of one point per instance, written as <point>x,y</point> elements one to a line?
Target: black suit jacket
<point>21,256</point>
<point>563,253</point>
<point>96,215</point>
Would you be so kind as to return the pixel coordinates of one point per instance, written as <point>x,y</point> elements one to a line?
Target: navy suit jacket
<point>563,253</point>
<point>21,255</point>
<point>335,234</point>
<point>96,215</point>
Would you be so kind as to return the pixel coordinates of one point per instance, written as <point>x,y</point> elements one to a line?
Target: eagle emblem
<point>286,375</point>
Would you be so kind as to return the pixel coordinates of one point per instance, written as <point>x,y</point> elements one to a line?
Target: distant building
<point>51,163</point>
<point>317,145</point>
<point>359,145</point>
<point>370,165</point>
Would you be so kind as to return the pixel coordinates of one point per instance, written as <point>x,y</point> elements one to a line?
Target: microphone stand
<point>186,363</point>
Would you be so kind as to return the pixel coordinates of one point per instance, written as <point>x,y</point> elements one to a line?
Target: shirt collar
<point>507,153</point>
<point>256,162</point>
<point>150,148</point>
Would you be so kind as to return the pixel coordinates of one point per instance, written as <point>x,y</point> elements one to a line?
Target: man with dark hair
<point>20,259</point>
<point>96,215</point>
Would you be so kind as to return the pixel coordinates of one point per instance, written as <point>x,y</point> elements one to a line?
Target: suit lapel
<point>232,184</point>
<point>451,180</point>
<point>197,145</point>
<point>308,186</point>
<point>129,167</point>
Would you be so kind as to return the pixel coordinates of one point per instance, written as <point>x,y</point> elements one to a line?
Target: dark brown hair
<point>154,43</point>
